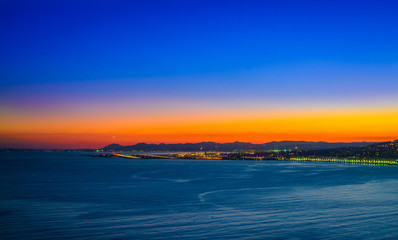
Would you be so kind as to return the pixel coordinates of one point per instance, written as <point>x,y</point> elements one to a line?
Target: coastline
<point>245,157</point>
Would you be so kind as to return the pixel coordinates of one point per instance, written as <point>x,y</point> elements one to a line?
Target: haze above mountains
<point>234,146</point>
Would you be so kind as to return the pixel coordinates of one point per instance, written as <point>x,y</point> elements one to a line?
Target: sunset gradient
<point>87,74</point>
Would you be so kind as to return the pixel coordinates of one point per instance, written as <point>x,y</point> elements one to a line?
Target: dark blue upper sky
<point>51,41</point>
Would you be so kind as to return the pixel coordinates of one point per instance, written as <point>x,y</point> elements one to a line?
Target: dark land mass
<point>231,147</point>
<point>378,153</point>
<point>384,150</point>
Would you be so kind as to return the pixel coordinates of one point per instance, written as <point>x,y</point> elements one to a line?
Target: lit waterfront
<point>357,161</point>
<point>250,156</point>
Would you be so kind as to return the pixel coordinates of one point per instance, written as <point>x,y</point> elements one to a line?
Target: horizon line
<point>65,149</point>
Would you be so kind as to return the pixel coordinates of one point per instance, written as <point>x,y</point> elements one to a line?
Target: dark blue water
<point>68,195</point>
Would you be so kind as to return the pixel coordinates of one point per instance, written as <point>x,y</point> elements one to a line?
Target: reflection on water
<point>68,195</point>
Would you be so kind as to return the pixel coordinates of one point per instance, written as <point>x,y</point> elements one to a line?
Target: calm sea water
<point>69,195</point>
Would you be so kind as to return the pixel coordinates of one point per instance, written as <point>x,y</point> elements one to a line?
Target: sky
<point>84,74</point>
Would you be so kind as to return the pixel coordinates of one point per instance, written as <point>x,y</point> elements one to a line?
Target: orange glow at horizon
<point>98,130</point>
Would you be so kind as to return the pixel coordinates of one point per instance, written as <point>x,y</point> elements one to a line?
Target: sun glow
<point>97,130</point>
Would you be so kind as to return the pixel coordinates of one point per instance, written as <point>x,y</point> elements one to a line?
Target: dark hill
<point>385,150</point>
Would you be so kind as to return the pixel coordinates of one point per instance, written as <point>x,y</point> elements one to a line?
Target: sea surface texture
<point>75,196</point>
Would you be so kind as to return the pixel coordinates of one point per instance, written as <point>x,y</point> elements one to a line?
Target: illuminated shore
<point>354,161</point>
<point>248,156</point>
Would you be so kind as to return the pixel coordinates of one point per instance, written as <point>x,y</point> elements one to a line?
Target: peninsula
<point>379,153</point>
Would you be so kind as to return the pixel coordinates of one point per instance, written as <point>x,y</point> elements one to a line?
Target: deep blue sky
<point>51,41</point>
<point>88,72</point>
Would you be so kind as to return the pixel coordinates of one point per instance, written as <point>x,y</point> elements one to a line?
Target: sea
<point>59,195</point>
